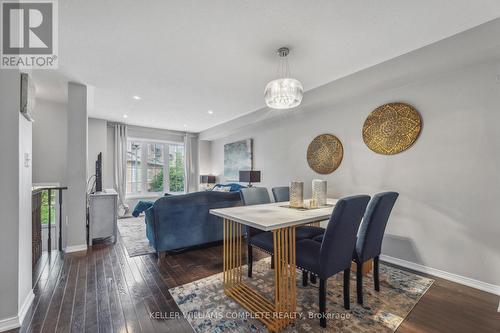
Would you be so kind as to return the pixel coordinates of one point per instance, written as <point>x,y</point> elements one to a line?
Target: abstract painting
<point>237,156</point>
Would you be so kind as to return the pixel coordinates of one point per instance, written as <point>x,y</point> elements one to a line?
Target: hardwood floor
<point>103,290</point>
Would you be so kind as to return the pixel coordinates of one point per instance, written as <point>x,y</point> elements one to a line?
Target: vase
<point>296,194</point>
<point>319,192</point>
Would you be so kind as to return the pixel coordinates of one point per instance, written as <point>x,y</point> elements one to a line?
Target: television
<point>98,173</point>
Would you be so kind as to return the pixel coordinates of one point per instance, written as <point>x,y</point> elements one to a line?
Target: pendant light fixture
<point>284,92</point>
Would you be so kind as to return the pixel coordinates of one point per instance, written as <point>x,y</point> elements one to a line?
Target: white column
<point>74,200</point>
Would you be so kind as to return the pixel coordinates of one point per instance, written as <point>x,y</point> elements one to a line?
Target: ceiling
<point>184,58</point>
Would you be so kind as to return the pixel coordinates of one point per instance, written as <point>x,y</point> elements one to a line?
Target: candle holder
<point>297,194</point>
<point>319,192</point>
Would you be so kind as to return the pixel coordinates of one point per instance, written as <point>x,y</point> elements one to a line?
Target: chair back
<point>371,232</point>
<point>254,196</point>
<point>339,240</point>
<point>281,193</point>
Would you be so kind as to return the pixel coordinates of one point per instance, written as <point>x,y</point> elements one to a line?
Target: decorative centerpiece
<point>392,128</point>
<point>325,153</point>
<point>318,192</point>
<point>296,194</point>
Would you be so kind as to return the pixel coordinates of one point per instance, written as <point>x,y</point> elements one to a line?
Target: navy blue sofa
<point>179,221</point>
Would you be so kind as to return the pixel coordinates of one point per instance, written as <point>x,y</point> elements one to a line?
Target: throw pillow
<point>221,189</point>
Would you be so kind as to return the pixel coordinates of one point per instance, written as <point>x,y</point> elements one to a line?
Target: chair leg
<point>249,260</point>
<point>272,261</point>
<point>312,278</point>
<point>359,282</point>
<point>376,281</point>
<point>322,302</point>
<point>304,278</point>
<point>347,281</point>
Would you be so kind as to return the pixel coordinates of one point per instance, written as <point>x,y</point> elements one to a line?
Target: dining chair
<point>281,193</point>
<point>264,239</point>
<point>334,253</point>
<point>370,236</point>
<point>256,237</point>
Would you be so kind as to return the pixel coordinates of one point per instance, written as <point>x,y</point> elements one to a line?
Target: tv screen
<point>98,173</point>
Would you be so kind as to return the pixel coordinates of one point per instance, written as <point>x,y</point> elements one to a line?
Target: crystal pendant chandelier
<point>285,92</point>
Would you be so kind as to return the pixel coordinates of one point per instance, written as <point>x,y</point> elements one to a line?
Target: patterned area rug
<point>207,309</point>
<point>133,233</point>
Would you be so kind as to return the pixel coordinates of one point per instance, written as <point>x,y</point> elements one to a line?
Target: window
<point>155,167</point>
<point>161,158</point>
<point>46,206</point>
<point>176,168</point>
<point>134,179</point>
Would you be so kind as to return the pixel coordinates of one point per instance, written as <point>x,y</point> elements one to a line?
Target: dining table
<point>279,311</point>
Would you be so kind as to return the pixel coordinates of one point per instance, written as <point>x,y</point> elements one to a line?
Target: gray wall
<point>50,142</point>
<point>25,200</point>
<point>97,139</point>
<point>9,193</point>
<point>76,171</point>
<point>15,200</point>
<point>205,157</point>
<point>446,216</point>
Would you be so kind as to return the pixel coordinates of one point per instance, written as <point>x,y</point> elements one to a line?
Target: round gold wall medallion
<point>325,153</point>
<point>392,128</point>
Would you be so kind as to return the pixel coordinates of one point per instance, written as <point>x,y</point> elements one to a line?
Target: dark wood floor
<point>103,290</point>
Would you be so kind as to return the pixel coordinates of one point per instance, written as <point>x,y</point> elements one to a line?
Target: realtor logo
<point>29,34</point>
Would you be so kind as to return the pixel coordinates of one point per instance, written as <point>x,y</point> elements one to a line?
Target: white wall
<point>446,215</point>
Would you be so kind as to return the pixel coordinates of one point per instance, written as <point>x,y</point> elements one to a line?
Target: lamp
<point>249,176</point>
<point>206,180</point>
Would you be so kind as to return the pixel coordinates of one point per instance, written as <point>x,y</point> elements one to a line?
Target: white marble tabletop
<point>274,216</point>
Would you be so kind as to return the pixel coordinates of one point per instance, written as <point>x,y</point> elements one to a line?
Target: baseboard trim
<point>75,248</point>
<point>488,287</point>
<point>15,322</point>
<point>9,323</point>
<point>26,306</point>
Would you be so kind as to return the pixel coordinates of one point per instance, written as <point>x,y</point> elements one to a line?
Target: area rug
<point>133,235</point>
<point>207,309</point>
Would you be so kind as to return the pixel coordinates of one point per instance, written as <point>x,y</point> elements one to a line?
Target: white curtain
<point>120,167</point>
<point>191,163</point>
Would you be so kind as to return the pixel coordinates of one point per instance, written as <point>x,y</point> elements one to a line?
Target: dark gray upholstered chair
<point>264,239</point>
<point>256,237</point>
<point>334,253</point>
<point>370,236</point>
<point>281,193</point>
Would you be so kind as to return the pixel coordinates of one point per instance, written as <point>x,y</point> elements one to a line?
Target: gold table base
<point>275,315</point>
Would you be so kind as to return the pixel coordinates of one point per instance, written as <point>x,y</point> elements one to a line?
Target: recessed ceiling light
<point>185,125</point>
<point>137,98</point>
<point>125,116</point>
<point>210,112</point>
